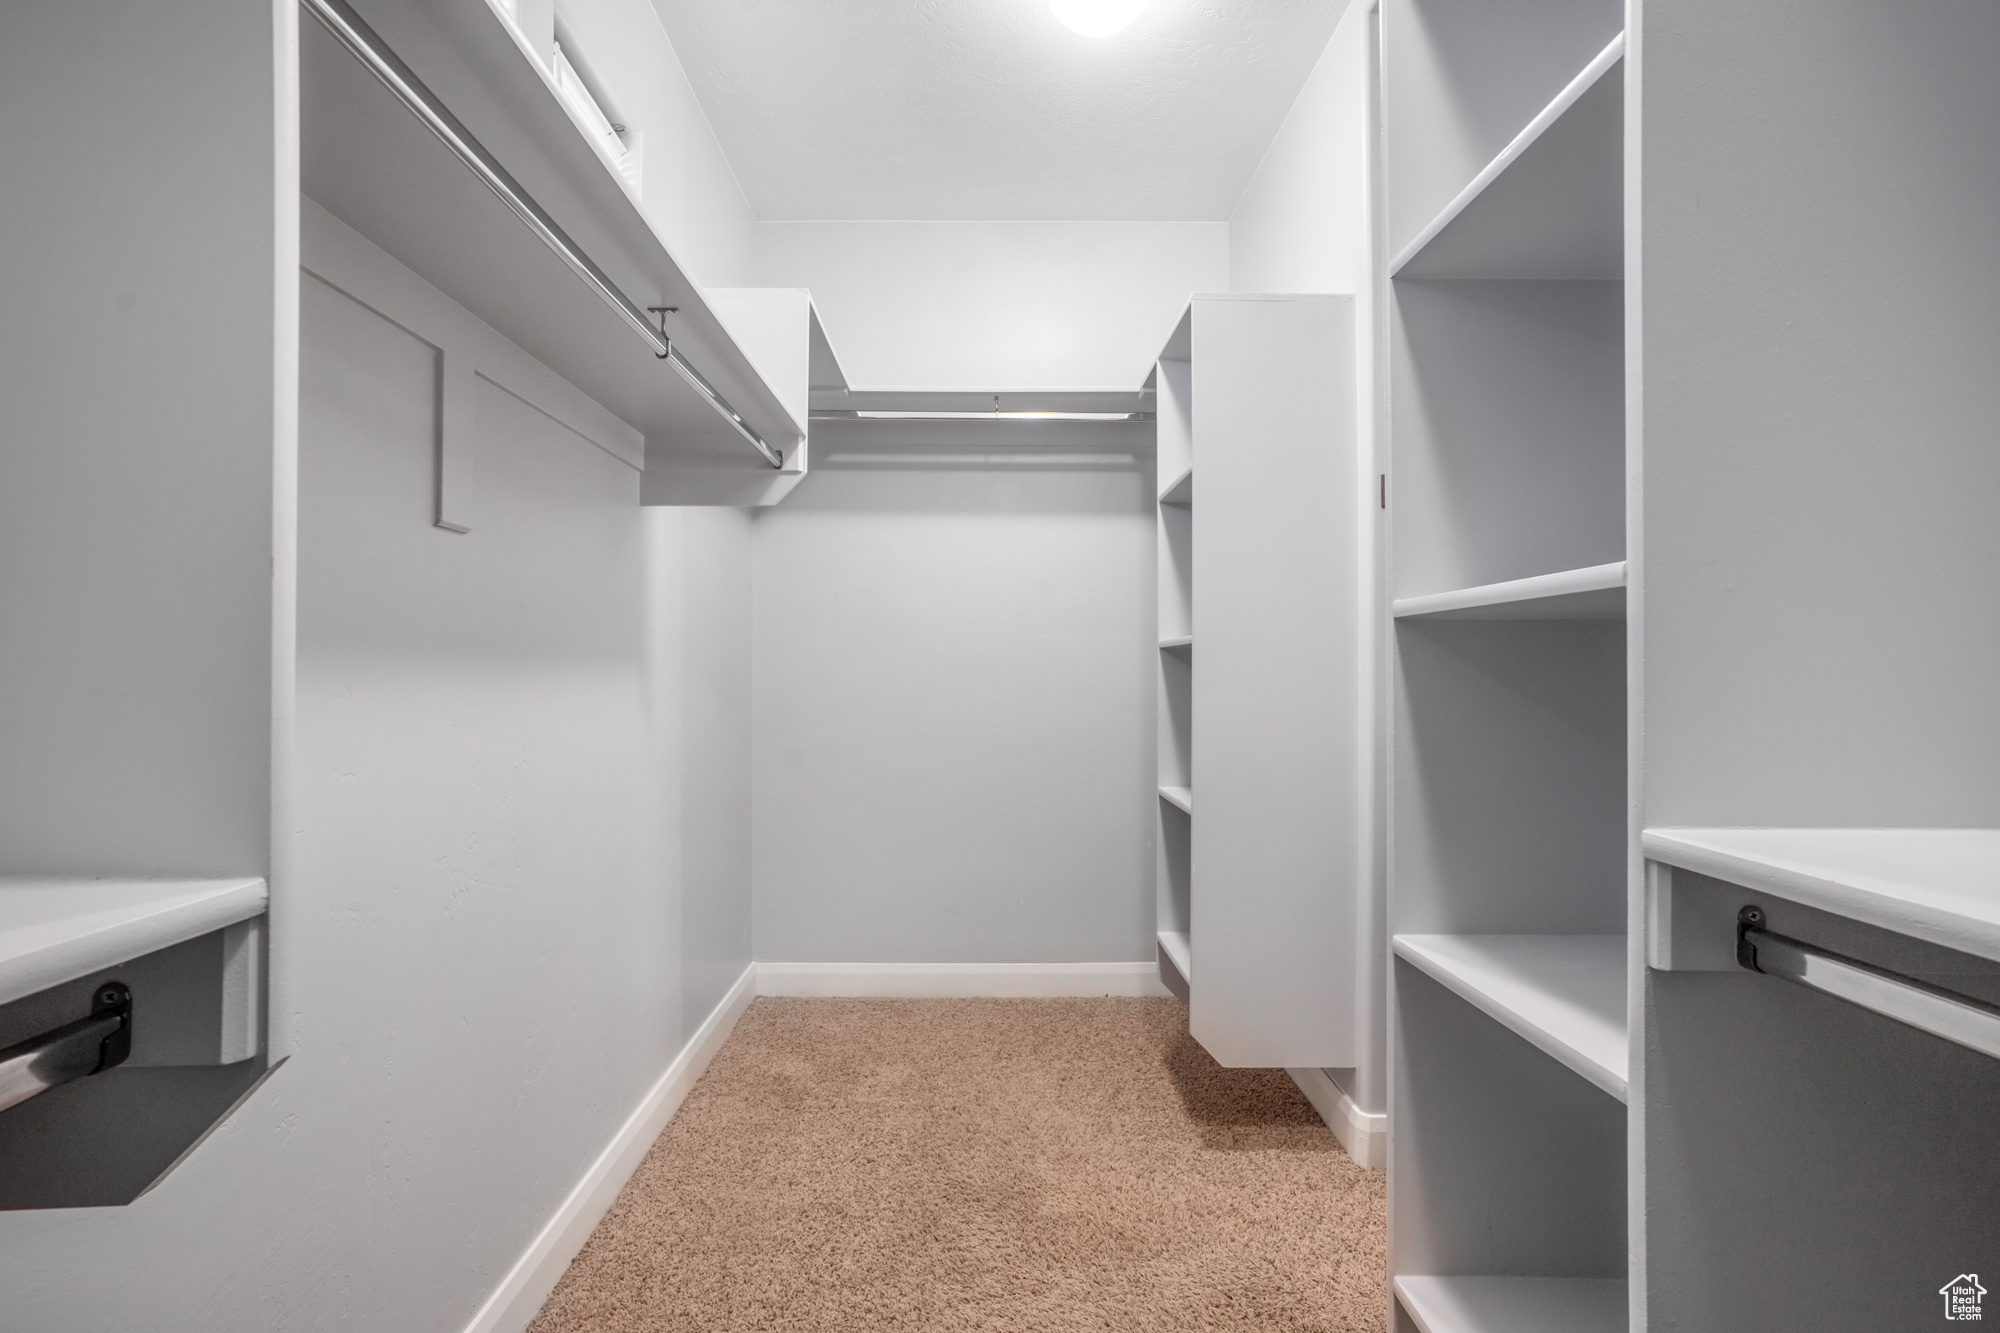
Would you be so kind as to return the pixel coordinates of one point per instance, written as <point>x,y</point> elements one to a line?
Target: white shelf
<point>1179,951</point>
<point>1515,1304</point>
<point>369,161</point>
<point>1551,205</point>
<point>1564,993</point>
<point>1596,593</point>
<point>1178,643</point>
<point>1181,798</point>
<point>1180,491</point>
<point>1940,885</point>
<point>56,930</point>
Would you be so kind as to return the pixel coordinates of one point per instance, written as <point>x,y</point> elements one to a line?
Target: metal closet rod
<point>1956,1018</point>
<point>367,47</point>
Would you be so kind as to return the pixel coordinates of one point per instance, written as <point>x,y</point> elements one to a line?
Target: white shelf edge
<point>1493,170</point>
<point>54,930</point>
<point>1514,592</point>
<point>1936,885</point>
<point>1180,950</point>
<point>1546,1016</point>
<point>1181,798</point>
<point>1177,641</point>
<point>1185,478</point>
<point>1515,1304</point>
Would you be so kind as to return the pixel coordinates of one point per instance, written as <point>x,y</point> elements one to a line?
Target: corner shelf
<point>1550,205</point>
<point>1594,593</point>
<point>1180,491</point>
<point>56,930</point>
<point>1939,885</point>
<point>1515,1304</point>
<point>1181,798</point>
<point>1564,993</point>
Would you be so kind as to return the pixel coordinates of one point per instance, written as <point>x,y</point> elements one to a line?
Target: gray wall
<point>498,943</point>
<point>954,676</point>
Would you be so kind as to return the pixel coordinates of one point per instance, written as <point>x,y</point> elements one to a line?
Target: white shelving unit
<point>1513,1304</point>
<point>374,165</point>
<point>150,610</point>
<point>1261,884</point>
<point>1564,993</point>
<point>1597,593</point>
<point>1805,726</point>
<point>1503,171</point>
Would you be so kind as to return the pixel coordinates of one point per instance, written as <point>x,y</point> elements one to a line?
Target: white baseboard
<point>1365,1135</point>
<point>519,1297</point>
<point>959,980</point>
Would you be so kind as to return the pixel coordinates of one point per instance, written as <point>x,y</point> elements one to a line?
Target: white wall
<point>996,304</point>
<point>1304,225</point>
<point>690,194</point>
<point>520,860</point>
<point>954,724</point>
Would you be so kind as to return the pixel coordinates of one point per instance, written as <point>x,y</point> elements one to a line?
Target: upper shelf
<point>1564,993</point>
<point>56,930</point>
<point>1596,593</point>
<point>371,162</point>
<point>1515,1304</point>
<point>1551,205</point>
<point>1940,885</point>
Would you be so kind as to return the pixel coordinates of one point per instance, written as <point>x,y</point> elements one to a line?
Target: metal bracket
<point>1971,1023</point>
<point>73,1051</point>
<point>660,313</point>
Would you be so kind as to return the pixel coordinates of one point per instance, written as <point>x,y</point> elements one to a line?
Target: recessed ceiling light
<point>1096,18</point>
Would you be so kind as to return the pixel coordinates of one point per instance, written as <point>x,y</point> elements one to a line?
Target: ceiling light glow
<point>1096,18</point>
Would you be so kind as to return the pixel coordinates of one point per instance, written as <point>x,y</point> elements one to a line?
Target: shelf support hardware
<point>1956,1018</point>
<point>347,27</point>
<point>73,1051</point>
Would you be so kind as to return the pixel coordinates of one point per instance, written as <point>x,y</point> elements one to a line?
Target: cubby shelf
<point>1550,205</point>
<point>1514,1304</point>
<point>1179,643</point>
<point>56,930</point>
<point>1595,593</point>
<point>1564,993</point>
<point>1930,883</point>
<point>1181,798</point>
<point>1179,491</point>
<point>1179,951</point>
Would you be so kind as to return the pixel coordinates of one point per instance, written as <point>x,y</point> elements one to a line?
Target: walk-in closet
<point>915,665</point>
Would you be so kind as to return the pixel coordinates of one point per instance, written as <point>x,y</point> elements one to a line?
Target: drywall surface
<point>501,938</point>
<point>1302,224</point>
<point>690,193</point>
<point>954,683</point>
<point>972,109</point>
<point>1305,225</point>
<point>996,304</point>
<point>700,563</point>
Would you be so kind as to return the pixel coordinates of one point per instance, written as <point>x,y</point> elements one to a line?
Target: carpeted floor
<point>1024,1166</point>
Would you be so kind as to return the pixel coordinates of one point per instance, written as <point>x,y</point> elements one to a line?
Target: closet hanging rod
<point>1956,1019</point>
<point>374,54</point>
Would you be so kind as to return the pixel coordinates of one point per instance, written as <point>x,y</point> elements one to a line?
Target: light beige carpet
<point>1027,1165</point>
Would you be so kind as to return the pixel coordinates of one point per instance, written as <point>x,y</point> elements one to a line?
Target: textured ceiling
<point>991,109</point>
